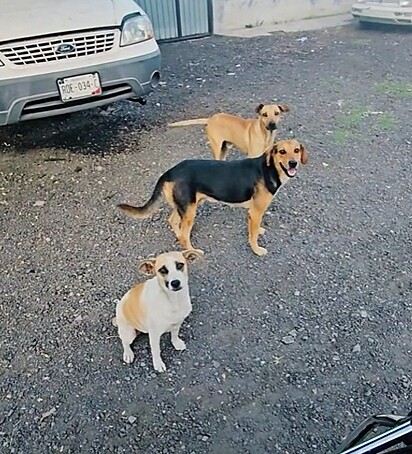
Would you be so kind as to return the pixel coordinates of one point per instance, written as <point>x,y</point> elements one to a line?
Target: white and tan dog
<point>158,305</point>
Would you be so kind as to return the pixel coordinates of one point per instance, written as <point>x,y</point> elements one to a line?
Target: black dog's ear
<point>284,107</point>
<point>259,108</point>
<point>273,149</point>
<point>304,155</point>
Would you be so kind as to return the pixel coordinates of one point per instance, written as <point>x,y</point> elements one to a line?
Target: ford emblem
<point>65,48</point>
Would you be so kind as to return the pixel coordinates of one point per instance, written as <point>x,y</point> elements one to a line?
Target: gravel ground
<point>286,353</point>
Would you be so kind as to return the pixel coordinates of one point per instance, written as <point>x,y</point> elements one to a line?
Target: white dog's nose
<point>175,284</point>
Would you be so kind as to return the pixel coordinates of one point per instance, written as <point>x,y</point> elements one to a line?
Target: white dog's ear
<point>147,267</point>
<point>191,255</point>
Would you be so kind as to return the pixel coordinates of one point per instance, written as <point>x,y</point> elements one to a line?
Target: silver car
<point>383,11</point>
<point>62,56</point>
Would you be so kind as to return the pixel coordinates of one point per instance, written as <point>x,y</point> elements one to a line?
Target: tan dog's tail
<point>196,121</point>
<point>149,207</point>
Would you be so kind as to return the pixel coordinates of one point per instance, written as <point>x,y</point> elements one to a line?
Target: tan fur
<point>251,136</point>
<point>259,204</point>
<point>134,311</point>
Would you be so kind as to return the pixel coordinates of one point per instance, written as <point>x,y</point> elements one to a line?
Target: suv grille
<point>36,51</point>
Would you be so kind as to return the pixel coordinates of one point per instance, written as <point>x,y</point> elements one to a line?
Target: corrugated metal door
<point>179,19</point>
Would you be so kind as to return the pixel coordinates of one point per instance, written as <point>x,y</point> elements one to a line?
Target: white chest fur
<point>166,309</point>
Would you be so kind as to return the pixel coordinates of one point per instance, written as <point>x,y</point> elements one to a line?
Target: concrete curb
<point>295,26</point>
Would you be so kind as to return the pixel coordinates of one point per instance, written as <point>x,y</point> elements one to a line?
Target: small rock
<point>356,348</point>
<point>205,438</point>
<point>216,364</point>
<point>132,419</point>
<point>363,314</point>
<point>45,415</point>
<point>39,203</point>
<point>78,168</point>
<point>288,340</point>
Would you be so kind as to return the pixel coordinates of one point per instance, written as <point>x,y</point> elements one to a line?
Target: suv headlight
<point>135,30</point>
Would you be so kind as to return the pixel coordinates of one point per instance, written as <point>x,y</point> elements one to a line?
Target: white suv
<point>63,56</point>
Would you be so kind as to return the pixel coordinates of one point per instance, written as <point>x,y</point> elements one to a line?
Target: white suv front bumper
<point>29,91</point>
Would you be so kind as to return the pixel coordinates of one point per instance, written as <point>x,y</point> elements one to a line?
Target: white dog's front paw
<point>159,366</point>
<point>178,344</point>
<point>128,357</point>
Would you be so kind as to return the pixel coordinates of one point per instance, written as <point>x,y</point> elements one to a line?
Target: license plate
<point>84,86</point>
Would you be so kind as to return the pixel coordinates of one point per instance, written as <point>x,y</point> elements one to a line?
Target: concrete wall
<point>235,14</point>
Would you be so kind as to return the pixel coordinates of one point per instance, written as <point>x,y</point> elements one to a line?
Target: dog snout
<point>175,284</point>
<point>293,164</point>
<point>272,126</point>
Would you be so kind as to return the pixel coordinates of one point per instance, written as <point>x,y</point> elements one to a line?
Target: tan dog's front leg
<point>255,219</point>
<point>154,339</point>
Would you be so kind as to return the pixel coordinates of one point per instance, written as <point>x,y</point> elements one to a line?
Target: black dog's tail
<point>149,207</point>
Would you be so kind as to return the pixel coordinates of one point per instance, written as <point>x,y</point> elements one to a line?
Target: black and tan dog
<point>250,183</point>
<point>252,136</point>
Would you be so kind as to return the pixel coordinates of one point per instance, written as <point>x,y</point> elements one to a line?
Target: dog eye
<point>297,150</point>
<point>180,266</point>
<point>163,270</point>
<point>276,113</point>
<point>282,151</point>
<point>264,114</point>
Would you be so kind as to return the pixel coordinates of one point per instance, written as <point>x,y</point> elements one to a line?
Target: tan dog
<point>158,305</point>
<point>249,183</point>
<point>252,137</point>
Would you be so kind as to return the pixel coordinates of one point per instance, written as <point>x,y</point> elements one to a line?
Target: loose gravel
<point>286,353</point>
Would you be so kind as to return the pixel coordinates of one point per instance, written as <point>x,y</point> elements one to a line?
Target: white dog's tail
<point>196,121</point>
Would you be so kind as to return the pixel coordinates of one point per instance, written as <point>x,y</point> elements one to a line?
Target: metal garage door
<point>179,19</point>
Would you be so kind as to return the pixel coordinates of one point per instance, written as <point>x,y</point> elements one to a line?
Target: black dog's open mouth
<point>290,172</point>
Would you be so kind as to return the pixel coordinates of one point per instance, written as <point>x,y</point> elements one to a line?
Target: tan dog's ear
<point>303,155</point>
<point>147,267</point>
<point>259,108</point>
<point>284,107</point>
<point>191,255</point>
<point>270,152</point>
